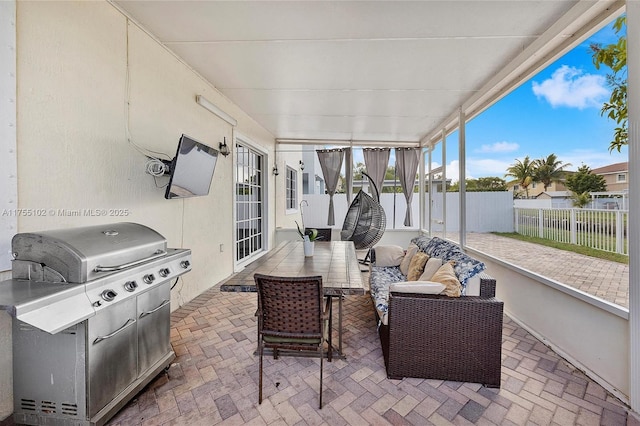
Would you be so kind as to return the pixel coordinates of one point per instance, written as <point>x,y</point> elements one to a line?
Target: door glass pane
<point>249,208</point>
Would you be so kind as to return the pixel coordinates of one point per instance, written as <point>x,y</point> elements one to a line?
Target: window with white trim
<point>291,188</point>
<point>622,177</point>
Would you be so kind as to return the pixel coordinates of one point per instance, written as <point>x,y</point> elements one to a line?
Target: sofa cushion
<point>465,266</point>
<point>447,276</point>
<point>432,266</point>
<point>416,266</point>
<point>406,261</point>
<point>422,242</point>
<point>389,255</point>
<point>379,280</point>
<point>420,287</point>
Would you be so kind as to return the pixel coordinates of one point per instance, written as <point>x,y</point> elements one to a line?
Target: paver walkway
<point>602,278</point>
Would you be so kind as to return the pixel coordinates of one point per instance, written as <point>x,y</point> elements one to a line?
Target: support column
<point>444,183</point>
<point>421,193</point>
<point>633,97</point>
<point>463,178</point>
<point>430,214</point>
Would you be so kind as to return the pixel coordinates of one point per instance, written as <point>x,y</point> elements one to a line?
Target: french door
<point>250,201</point>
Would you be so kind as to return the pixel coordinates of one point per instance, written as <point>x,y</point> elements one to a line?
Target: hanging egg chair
<point>365,221</point>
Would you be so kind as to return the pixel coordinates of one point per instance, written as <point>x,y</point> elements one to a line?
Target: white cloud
<point>476,168</point>
<point>571,87</point>
<point>499,147</point>
<point>487,167</point>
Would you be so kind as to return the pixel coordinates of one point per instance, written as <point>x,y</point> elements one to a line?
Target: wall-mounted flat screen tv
<point>191,169</point>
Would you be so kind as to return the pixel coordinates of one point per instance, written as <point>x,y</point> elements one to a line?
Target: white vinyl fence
<point>486,211</point>
<point>605,230</point>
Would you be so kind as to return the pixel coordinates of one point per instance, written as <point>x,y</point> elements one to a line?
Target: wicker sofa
<point>436,336</point>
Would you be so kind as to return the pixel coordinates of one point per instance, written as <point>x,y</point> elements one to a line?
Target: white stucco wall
<point>592,334</point>
<point>73,153</point>
<point>287,156</point>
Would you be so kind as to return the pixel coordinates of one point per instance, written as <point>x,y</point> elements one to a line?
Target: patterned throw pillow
<point>447,276</point>
<point>404,265</point>
<point>465,266</point>
<point>416,266</point>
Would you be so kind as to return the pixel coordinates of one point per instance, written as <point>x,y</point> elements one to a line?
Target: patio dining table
<point>335,261</point>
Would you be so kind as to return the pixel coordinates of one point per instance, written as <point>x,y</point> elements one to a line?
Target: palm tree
<point>580,200</point>
<point>548,170</point>
<point>523,171</point>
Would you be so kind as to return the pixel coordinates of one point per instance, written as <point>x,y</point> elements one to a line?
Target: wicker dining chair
<point>293,316</point>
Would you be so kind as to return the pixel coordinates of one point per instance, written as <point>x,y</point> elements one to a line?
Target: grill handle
<point>156,255</point>
<point>164,303</point>
<point>129,322</point>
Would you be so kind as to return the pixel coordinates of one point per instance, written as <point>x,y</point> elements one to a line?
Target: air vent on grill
<point>28,404</point>
<point>48,407</point>
<point>69,409</point>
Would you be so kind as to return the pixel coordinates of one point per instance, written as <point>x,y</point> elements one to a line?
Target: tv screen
<point>191,169</point>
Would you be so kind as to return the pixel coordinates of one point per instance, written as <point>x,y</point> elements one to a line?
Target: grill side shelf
<point>51,307</point>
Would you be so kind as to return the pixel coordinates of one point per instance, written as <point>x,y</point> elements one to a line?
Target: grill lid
<point>82,254</point>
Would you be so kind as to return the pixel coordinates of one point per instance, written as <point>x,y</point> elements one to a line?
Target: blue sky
<point>557,111</point>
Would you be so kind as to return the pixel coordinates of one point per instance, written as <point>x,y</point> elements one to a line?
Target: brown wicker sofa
<point>441,337</point>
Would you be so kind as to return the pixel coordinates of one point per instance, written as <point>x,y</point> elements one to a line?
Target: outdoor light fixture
<point>301,165</point>
<point>224,148</point>
<point>275,170</point>
<point>208,105</point>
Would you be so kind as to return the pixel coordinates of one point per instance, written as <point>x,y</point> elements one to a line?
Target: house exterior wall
<point>290,157</point>
<point>72,149</point>
<point>536,188</point>
<point>616,176</point>
<point>615,183</point>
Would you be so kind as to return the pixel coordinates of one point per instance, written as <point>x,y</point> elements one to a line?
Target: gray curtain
<point>376,161</point>
<point>348,160</point>
<point>331,163</point>
<point>407,160</point>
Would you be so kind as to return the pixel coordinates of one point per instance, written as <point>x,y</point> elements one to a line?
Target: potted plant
<point>308,237</point>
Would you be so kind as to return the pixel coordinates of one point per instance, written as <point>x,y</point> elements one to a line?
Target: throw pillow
<point>465,266</point>
<point>404,265</point>
<point>447,276</point>
<point>420,287</point>
<point>416,266</point>
<point>432,266</point>
<point>389,255</point>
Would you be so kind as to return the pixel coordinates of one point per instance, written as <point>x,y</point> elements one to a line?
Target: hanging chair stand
<point>365,221</point>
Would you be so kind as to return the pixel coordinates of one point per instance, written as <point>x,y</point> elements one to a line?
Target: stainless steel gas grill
<point>91,319</point>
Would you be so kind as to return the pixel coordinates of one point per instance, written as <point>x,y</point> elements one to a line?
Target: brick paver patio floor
<point>214,380</point>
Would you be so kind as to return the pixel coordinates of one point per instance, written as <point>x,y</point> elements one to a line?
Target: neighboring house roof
<point>554,194</point>
<point>611,168</point>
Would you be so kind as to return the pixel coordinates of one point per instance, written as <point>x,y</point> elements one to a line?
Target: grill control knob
<point>164,272</point>
<point>130,285</point>
<point>185,264</point>
<point>108,295</point>
<point>149,278</point>
<point>97,304</point>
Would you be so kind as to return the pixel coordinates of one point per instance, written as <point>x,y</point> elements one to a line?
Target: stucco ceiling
<point>366,70</point>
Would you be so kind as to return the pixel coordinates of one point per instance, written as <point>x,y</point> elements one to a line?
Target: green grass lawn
<point>587,251</point>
